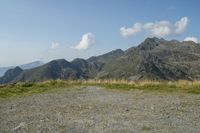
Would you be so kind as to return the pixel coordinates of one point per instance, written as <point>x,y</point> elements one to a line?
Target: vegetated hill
<point>24,66</point>
<point>155,59</point>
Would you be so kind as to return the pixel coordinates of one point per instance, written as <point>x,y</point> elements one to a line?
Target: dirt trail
<point>98,110</point>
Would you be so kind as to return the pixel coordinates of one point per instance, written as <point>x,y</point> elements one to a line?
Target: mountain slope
<point>157,59</point>
<point>154,59</point>
<point>10,75</point>
<point>56,69</point>
<point>24,66</point>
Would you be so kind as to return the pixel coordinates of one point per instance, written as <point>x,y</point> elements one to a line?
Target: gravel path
<point>98,110</point>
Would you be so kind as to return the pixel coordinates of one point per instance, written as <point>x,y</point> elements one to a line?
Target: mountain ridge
<point>153,59</point>
<point>23,66</point>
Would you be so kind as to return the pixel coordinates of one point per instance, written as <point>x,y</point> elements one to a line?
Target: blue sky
<point>50,29</point>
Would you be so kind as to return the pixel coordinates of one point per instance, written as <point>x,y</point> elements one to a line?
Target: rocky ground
<point>98,110</point>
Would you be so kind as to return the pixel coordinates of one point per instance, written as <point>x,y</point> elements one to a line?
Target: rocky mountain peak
<point>151,43</point>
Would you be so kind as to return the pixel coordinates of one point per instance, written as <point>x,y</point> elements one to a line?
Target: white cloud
<point>181,25</point>
<point>194,39</point>
<point>158,29</point>
<point>86,41</point>
<point>55,45</point>
<point>126,32</point>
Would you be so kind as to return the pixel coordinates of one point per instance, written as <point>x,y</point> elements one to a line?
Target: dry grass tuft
<point>28,88</point>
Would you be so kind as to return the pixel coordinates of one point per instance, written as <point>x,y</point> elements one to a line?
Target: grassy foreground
<point>21,89</point>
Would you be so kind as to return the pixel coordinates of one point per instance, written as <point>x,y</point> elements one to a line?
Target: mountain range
<point>153,59</point>
<point>23,66</point>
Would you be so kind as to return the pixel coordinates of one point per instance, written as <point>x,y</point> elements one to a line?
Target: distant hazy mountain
<point>24,66</point>
<point>154,59</point>
<point>31,65</point>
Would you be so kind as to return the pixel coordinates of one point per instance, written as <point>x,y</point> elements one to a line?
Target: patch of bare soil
<point>98,110</point>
